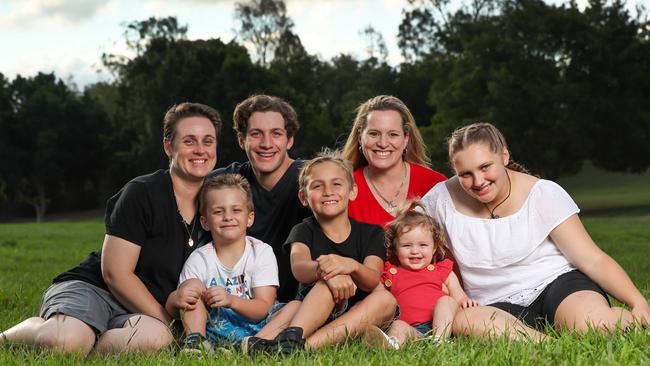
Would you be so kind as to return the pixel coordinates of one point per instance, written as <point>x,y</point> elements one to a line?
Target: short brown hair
<point>408,217</point>
<point>264,103</point>
<point>325,156</point>
<point>224,181</point>
<point>184,110</point>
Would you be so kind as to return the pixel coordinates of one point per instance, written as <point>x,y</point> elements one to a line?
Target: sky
<point>68,37</point>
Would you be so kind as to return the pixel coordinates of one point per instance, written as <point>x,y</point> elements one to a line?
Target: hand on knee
<point>193,284</point>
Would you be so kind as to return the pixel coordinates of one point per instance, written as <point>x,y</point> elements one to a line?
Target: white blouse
<point>509,259</point>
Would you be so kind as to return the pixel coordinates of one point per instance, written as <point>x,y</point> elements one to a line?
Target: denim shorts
<point>423,329</point>
<point>226,326</point>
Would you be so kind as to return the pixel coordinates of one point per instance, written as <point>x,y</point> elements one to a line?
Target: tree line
<point>563,84</point>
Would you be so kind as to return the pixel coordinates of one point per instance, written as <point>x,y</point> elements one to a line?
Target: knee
<point>385,301</point>
<point>447,302</point>
<point>193,283</point>
<point>321,290</point>
<point>462,321</point>
<point>154,339</point>
<point>68,342</point>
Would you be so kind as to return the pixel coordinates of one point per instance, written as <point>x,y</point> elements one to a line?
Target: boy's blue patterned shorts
<point>226,326</point>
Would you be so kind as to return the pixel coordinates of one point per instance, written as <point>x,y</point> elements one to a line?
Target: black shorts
<point>542,311</point>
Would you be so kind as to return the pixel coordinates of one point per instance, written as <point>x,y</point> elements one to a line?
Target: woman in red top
<point>389,159</point>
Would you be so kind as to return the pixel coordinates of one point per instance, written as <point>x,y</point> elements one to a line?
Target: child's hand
<point>216,297</point>
<point>467,303</point>
<point>642,313</point>
<point>187,295</point>
<point>342,287</point>
<point>331,265</point>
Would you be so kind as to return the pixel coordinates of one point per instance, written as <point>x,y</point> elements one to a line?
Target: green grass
<point>600,192</point>
<point>32,254</point>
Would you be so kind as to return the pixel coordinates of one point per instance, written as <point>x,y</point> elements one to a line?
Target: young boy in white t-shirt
<point>227,288</point>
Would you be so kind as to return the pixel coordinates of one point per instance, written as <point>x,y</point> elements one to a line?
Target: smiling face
<point>481,172</point>
<point>383,141</point>
<point>266,143</point>
<point>328,190</point>
<point>226,215</point>
<point>193,151</point>
<point>415,247</point>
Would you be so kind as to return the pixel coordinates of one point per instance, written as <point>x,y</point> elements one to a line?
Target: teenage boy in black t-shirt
<point>265,127</point>
<point>338,262</point>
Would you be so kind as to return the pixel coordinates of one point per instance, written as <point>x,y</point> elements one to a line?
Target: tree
<point>608,67</point>
<point>54,139</point>
<point>426,23</point>
<point>6,114</point>
<point>265,27</point>
<point>503,69</point>
<point>139,33</point>
<point>375,44</point>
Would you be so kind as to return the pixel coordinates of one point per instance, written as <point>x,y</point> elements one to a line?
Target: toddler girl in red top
<point>421,279</point>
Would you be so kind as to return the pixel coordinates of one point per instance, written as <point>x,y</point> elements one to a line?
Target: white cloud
<point>78,70</point>
<point>65,12</point>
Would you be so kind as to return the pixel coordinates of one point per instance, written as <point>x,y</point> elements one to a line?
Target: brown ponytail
<point>481,132</point>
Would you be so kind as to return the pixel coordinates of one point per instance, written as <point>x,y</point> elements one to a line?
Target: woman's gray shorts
<point>92,305</point>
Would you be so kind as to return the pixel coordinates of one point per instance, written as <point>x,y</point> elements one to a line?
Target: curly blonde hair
<point>409,217</point>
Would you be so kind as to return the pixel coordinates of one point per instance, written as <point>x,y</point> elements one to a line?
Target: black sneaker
<point>290,341</point>
<point>255,345</point>
<point>196,343</point>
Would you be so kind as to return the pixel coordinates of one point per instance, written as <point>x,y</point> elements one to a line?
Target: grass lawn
<point>32,254</point>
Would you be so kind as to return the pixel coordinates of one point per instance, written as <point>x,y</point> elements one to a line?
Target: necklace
<point>391,206</point>
<point>492,215</point>
<point>190,241</point>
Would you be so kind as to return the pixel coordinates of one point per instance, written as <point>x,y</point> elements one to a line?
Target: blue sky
<point>69,36</point>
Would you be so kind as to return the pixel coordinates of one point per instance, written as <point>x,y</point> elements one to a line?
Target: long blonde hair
<point>416,150</point>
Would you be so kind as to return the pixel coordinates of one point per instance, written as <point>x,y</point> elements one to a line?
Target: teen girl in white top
<point>521,249</point>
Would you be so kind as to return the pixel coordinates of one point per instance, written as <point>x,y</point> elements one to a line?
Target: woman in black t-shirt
<point>115,302</point>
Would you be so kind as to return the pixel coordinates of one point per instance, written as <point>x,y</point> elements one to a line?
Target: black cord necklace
<point>492,215</point>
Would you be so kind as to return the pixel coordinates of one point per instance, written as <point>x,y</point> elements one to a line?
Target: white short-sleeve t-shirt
<point>509,259</point>
<point>257,267</point>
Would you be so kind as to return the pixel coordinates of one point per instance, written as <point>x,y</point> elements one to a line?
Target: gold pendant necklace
<point>190,241</point>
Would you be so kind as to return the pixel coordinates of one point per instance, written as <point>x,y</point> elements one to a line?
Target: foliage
<point>52,146</point>
<point>375,44</point>
<point>265,26</point>
<point>551,78</point>
<point>563,84</point>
